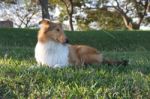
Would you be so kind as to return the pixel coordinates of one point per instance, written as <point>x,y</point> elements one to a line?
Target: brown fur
<point>78,54</point>
<point>51,31</point>
<point>85,55</point>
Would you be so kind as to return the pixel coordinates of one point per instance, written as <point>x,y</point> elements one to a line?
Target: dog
<point>52,49</point>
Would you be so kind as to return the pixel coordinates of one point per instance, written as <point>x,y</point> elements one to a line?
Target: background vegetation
<point>20,77</point>
<point>80,14</point>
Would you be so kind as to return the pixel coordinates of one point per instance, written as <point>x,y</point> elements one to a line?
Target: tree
<point>44,7</point>
<point>25,18</point>
<point>9,1</point>
<point>69,7</point>
<point>130,9</point>
<point>21,16</point>
<point>106,19</point>
<point>98,13</point>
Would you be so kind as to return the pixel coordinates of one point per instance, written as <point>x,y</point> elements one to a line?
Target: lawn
<point>21,78</point>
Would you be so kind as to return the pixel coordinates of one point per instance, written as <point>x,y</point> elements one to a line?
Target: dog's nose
<point>67,41</point>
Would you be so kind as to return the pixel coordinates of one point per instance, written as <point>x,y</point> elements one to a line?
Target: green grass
<point>18,78</point>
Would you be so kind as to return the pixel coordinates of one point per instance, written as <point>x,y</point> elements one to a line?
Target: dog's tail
<point>115,62</point>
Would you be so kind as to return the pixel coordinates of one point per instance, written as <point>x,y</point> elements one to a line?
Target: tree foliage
<point>9,1</point>
<point>68,6</point>
<point>106,19</point>
<point>109,14</point>
<point>130,9</point>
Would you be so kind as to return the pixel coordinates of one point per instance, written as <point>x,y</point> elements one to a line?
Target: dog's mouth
<point>67,41</point>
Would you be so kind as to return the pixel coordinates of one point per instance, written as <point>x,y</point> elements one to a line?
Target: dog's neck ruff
<point>52,54</point>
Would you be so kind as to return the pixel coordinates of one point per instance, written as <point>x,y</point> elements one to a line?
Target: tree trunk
<point>70,16</point>
<point>44,6</point>
<point>129,24</point>
<point>69,7</point>
<point>71,23</point>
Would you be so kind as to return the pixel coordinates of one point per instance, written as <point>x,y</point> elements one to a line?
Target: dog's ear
<point>40,22</point>
<point>44,21</point>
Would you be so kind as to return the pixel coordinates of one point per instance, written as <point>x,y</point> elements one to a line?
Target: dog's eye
<point>45,32</point>
<point>57,30</point>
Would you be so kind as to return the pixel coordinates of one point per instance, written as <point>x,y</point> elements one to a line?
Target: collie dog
<point>52,49</point>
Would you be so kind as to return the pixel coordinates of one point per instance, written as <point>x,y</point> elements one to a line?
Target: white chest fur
<point>52,54</point>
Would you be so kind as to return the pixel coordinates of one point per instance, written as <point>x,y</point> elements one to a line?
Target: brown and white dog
<point>52,49</point>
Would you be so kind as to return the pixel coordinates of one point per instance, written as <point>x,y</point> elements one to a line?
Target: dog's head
<point>51,31</point>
